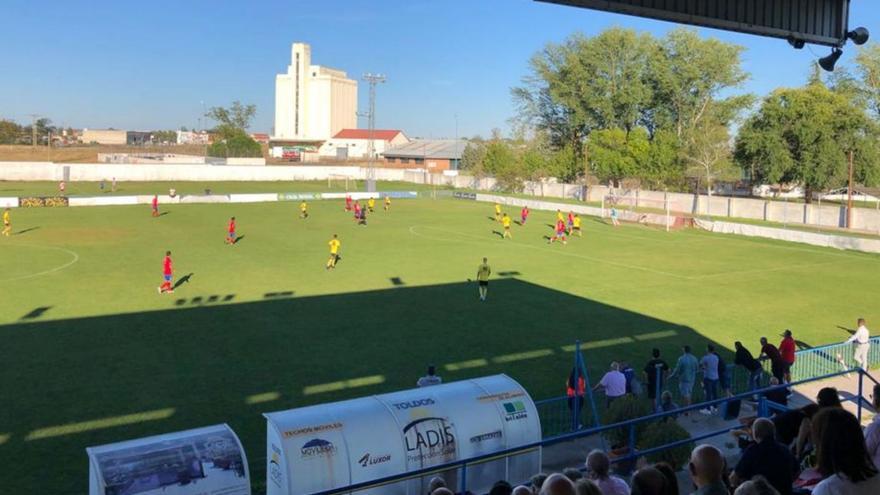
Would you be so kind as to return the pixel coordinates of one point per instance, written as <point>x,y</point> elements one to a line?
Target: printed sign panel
<point>385,435</point>
<point>464,195</point>
<point>205,461</point>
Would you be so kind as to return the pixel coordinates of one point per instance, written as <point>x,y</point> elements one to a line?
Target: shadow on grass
<point>205,360</point>
<point>25,231</point>
<point>238,239</point>
<point>183,280</point>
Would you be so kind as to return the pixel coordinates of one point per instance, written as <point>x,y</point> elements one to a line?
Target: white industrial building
<point>355,143</point>
<point>312,102</point>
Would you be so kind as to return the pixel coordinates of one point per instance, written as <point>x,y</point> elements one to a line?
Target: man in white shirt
<point>614,383</point>
<point>430,379</point>
<point>709,365</point>
<point>862,339</point>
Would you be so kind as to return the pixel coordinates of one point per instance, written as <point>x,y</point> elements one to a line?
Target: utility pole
<point>33,117</point>
<point>372,80</point>
<point>849,193</point>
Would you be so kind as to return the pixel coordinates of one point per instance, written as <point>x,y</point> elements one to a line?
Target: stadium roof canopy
<point>821,22</point>
<point>428,148</point>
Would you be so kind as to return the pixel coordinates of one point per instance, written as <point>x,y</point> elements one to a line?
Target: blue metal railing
<point>460,467</point>
<point>557,417</point>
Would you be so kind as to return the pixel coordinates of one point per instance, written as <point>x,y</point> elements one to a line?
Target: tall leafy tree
<point>10,132</point>
<point>803,135</point>
<point>868,67</point>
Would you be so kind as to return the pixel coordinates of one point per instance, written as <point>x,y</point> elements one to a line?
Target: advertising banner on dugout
<point>203,461</point>
<point>335,445</point>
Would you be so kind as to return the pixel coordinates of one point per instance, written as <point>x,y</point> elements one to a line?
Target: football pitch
<point>90,353</point>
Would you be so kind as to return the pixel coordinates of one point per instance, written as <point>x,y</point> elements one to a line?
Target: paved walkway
<point>848,389</point>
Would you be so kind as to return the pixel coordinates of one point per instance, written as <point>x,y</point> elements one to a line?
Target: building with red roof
<point>355,143</point>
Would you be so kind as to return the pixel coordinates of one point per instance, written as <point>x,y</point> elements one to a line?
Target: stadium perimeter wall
<point>819,215</point>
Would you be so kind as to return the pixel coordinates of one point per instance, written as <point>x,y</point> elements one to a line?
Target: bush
<point>662,433</point>
<point>625,409</point>
<point>238,145</point>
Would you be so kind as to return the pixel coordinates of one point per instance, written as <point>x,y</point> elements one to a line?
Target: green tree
<point>237,116</point>
<point>688,74</point>
<point>803,135</point>
<point>708,154</point>
<point>472,157</point>
<point>616,154</point>
<point>868,67</point>
<point>10,132</point>
<point>236,144</point>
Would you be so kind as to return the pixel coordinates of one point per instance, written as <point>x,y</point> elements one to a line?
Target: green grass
<point>93,340</point>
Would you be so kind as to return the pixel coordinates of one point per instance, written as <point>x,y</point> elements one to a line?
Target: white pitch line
<point>45,272</point>
<point>765,270</point>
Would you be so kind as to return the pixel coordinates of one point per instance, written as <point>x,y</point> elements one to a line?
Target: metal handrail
<point>567,437</point>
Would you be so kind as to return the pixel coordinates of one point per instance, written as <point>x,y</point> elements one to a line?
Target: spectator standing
<point>841,455</point>
<point>768,458</point>
<point>723,373</point>
<point>862,339</point>
<point>872,432</point>
<point>632,385</point>
<point>787,350</point>
<point>655,371</point>
<point>706,468</point>
<point>614,384</point>
<point>770,352</point>
<point>430,379</point>
<point>575,392</point>
<point>598,466</point>
<point>745,359</point>
<point>686,369</point>
<point>709,367</point>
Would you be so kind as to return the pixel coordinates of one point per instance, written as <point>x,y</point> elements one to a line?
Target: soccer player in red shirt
<point>347,202</point>
<point>155,205</point>
<point>167,274</point>
<point>570,222</point>
<point>357,211</point>
<point>524,215</point>
<point>560,232</point>
<point>230,239</point>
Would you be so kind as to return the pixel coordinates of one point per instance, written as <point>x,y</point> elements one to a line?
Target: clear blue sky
<point>149,65</point>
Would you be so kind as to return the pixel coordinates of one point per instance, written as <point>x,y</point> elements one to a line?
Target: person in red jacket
<point>787,352</point>
<point>167,274</point>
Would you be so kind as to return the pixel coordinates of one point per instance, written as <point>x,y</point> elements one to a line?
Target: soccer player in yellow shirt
<point>497,212</point>
<point>576,226</point>
<point>483,272</point>
<point>334,252</point>
<point>303,210</point>
<point>371,203</point>
<point>387,203</point>
<point>559,216</point>
<point>505,221</point>
<point>7,223</point>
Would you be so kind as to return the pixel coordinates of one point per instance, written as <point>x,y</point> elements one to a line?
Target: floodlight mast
<point>372,80</point>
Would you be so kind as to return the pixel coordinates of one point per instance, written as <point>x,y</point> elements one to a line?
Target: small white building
<point>192,137</point>
<point>355,143</point>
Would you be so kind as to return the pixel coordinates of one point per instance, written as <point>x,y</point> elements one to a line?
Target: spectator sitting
<point>537,481</point>
<point>573,474</point>
<point>666,404</point>
<point>584,486</point>
<point>706,468</point>
<point>557,484</point>
<point>435,483</point>
<point>841,455</point>
<point>671,477</point>
<point>524,490</point>
<point>768,458</point>
<point>443,491</point>
<point>614,384</point>
<point>598,466</point>
<point>430,379</point>
<point>827,398</point>
<point>872,432</point>
<point>779,396</point>
<point>501,488</point>
<point>756,486</point>
<point>649,481</point>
